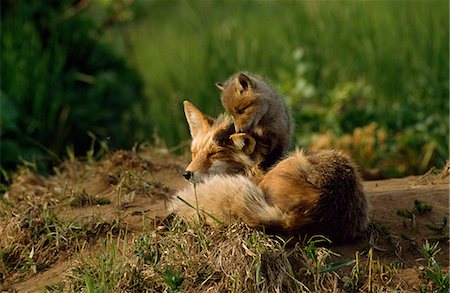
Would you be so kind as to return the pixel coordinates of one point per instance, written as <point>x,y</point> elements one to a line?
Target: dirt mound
<point>46,223</point>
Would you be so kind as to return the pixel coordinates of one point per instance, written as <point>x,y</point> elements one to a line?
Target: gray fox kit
<point>259,111</point>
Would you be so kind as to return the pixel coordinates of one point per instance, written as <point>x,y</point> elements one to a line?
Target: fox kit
<point>258,110</point>
<point>316,193</point>
<point>216,148</point>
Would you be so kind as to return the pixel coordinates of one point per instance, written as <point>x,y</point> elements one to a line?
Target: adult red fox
<point>216,149</point>
<point>258,110</point>
<point>306,193</point>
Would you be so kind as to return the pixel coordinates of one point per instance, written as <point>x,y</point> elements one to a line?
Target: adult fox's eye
<point>240,111</point>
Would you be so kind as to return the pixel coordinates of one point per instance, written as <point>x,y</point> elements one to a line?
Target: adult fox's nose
<point>187,175</point>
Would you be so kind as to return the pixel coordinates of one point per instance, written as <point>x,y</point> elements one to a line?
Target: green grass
<point>396,52</point>
<point>340,65</point>
<point>61,86</point>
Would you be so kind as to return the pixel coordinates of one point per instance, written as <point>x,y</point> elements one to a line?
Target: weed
<point>315,259</point>
<point>42,238</point>
<point>109,270</point>
<point>420,208</point>
<point>439,278</point>
<point>355,280</point>
<point>90,288</point>
<point>430,252</point>
<point>147,249</point>
<point>441,229</point>
<point>433,272</point>
<point>172,279</point>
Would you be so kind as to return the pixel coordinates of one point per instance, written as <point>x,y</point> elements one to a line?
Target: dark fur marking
<point>223,137</point>
<point>273,157</point>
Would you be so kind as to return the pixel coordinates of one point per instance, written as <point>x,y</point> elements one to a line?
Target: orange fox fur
<point>258,110</point>
<point>306,193</point>
<point>216,149</point>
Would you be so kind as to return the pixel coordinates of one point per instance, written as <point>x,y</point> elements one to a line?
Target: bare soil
<point>136,185</point>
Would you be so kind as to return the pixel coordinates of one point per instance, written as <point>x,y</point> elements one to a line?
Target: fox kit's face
<point>215,148</point>
<point>241,99</point>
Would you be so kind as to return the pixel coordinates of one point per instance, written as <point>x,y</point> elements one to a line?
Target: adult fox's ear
<point>244,142</point>
<point>220,85</point>
<point>198,121</point>
<point>244,82</point>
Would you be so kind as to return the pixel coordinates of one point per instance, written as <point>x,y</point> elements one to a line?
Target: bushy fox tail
<point>224,198</point>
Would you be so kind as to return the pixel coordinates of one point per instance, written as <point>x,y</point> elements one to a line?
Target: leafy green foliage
<point>439,278</point>
<point>173,279</point>
<point>60,82</point>
<point>433,272</point>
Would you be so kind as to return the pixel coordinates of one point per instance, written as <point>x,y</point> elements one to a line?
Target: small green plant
<point>433,272</point>
<point>420,208</point>
<point>90,287</point>
<point>147,250</point>
<point>441,229</point>
<point>412,241</point>
<point>109,270</point>
<point>439,278</point>
<point>316,260</point>
<point>173,279</point>
<point>357,277</point>
<point>430,252</point>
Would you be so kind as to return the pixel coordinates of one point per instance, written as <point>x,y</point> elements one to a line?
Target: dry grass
<point>199,259</point>
<point>119,249</point>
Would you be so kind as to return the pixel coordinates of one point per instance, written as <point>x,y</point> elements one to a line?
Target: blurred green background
<point>368,77</point>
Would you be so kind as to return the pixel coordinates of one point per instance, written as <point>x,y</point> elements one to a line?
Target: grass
<point>37,238</point>
<point>338,69</point>
<point>179,258</point>
<point>354,78</point>
<point>63,84</point>
<point>107,254</point>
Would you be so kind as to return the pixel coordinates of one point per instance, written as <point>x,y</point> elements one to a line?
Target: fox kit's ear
<point>244,142</point>
<point>197,120</point>
<point>220,85</point>
<point>244,82</point>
